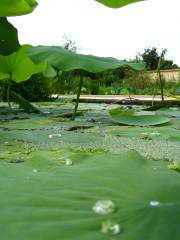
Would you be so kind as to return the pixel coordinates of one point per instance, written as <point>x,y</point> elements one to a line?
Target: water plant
<point>130,117</point>
<point>18,67</point>
<point>55,56</point>
<point>67,61</point>
<point>160,77</point>
<point>58,184</point>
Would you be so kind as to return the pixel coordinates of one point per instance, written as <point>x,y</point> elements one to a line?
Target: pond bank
<point>122,99</point>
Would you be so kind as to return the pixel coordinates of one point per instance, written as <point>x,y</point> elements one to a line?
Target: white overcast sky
<point>102,31</point>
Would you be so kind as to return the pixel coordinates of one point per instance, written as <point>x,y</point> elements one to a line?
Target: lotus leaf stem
<point>160,77</point>
<point>78,96</point>
<point>9,91</point>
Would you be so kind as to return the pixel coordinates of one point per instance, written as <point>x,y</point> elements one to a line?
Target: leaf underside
<point>118,3</point>
<point>16,7</point>
<point>19,65</point>
<point>8,37</point>
<point>67,61</point>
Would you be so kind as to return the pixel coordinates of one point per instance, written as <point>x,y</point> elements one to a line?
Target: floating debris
<point>54,135</point>
<point>16,161</point>
<point>35,170</point>
<point>104,207</point>
<point>74,128</point>
<point>110,227</point>
<point>155,134</point>
<point>66,161</point>
<point>145,136</point>
<point>154,203</point>
<point>69,114</point>
<point>149,135</point>
<point>174,166</point>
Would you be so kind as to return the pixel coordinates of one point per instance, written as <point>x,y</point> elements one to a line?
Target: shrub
<point>36,89</point>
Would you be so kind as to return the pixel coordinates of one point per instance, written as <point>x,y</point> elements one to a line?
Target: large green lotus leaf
<point>170,112</point>
<point>8,37</point>
<point>129,117</point>
<point>158,133</point>
<point>66,60</point>
<point>44,199</point>
<point>29,124</point>
<point>16,7</point>
<point>49,72</point>
<point>19,65</point>
<point>117,3</point>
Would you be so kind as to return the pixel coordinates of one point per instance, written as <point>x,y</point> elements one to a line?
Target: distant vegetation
<point>151,57</point>
<point>123,80</point>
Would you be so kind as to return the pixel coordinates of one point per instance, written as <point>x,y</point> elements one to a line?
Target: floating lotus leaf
<point>117,3</point>
<point>65,60</point>
<point>43,199</point>
<point>129,117</point>
<point>16,7</point>
<point>170,112</point>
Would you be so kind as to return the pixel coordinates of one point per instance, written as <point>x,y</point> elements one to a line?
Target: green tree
<point>151,57</point>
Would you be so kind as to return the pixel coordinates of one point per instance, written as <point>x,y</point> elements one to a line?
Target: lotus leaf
<point>45,199</point>
<point>18,66</point>
<point>8,38</point>
<point>64,60</point>
<point>170,112</point>
<point>129,117</point>
<point>117,3</point>
<point>16,7</point>
<point>21,7</point>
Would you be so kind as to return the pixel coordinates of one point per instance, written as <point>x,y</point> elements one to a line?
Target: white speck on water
<point>35,170</point>
<point>54,135</point>
<point>6,142</point>
<point>147,135</point>
<point>68,162</point>
<point>104,207</point>
<point>154,203</point>
<point>155,134</point>
<point>115,229</point>
<point>144,133</point>
<point>110,227</point>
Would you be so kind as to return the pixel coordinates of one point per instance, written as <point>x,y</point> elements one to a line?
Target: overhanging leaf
<point>16,7</point>
<point>128,117</point>
<point>67,61</point>
<point>8,37</point>
<point>117,3</point>
<point>19,66</point>
<point>49,72</point>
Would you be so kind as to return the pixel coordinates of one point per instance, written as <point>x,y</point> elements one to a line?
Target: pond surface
<point>53,171</point>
